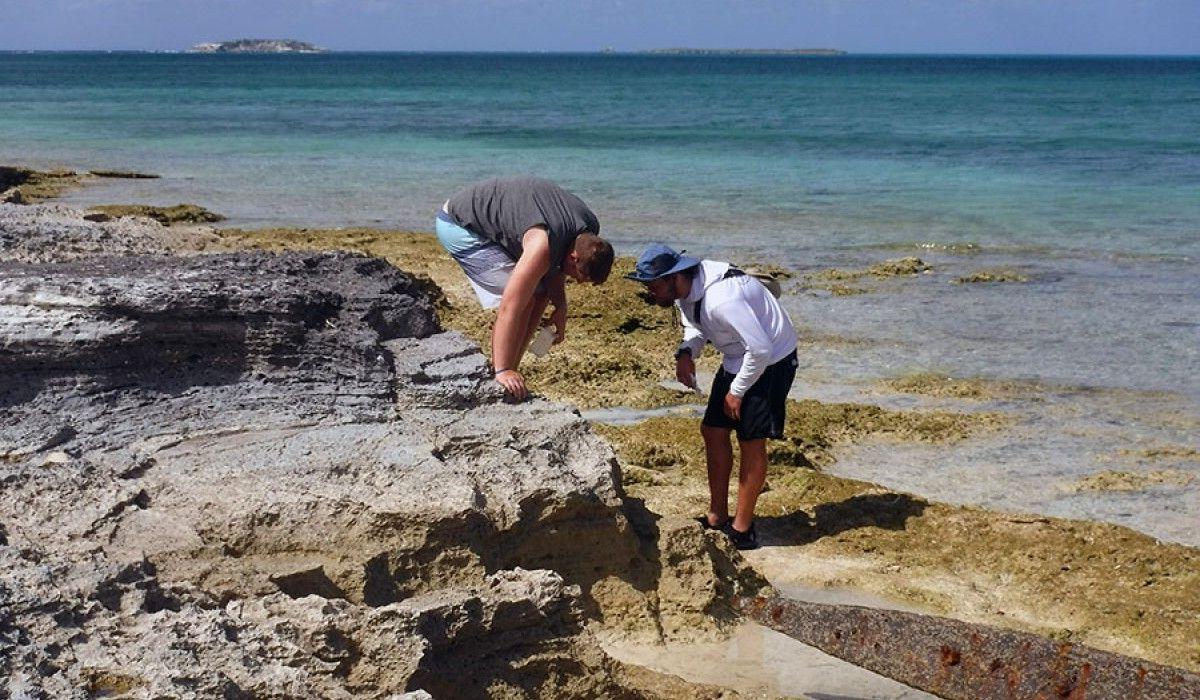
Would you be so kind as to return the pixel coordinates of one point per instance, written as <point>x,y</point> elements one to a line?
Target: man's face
<point>570,268</point>
<point>663,290</point>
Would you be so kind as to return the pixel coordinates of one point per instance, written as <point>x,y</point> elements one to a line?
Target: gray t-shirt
<point>503,209</point>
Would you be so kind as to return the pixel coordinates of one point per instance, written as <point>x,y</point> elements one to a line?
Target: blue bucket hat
<point>659,261</point>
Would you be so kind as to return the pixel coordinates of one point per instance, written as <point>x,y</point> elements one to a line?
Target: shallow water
<point>1035,465</point>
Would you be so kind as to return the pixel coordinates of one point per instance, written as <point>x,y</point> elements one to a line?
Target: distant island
<point>746,52</point>
<point>257,46</point>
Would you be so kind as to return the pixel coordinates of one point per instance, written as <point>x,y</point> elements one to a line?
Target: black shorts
<point>764,406</point>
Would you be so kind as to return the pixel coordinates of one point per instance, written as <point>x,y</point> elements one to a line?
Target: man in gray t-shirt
<point>517,239</point>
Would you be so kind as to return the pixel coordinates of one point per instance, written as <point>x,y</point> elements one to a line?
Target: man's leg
<point>751,478</point>
<point>718,454</point>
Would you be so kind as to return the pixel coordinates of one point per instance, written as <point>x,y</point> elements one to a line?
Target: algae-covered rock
<point>765,268</point>
<point>976,388</point>
<point>814,430</point>
<point>123,174</point>
<point>1163,453</point>
<point>27,186</point>
<point>833,280</point>
<point>1116,480</point>
<point>899,267</point>
<point>992,275</point>
<point>845,290</point>
<point>177,214</point>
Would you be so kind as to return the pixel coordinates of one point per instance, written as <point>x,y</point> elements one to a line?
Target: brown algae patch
<point>898,267</point>
<point>844,290</point>
<point>814,430</point>
<point>123,175</point>
<point>944,386</point>
<point>617,349</point>
<point>20,185</point>
<point>177,214</point>
<point>1164,453</point>
<point>992,275</point>
<point>26,186</point>
<point>1093,583</point>
<point>834,280</point>
<point>1114,480</point>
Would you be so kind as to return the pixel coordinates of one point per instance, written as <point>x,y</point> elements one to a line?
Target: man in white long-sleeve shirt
<point>722,305</point>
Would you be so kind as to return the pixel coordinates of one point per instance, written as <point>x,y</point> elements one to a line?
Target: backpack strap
<point>731,272</point>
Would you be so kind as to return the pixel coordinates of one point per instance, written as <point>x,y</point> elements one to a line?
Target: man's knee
<point>713,433</point>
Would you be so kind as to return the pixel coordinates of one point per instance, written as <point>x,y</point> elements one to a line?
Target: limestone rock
<point>57,233</point>
<point>272,475</point>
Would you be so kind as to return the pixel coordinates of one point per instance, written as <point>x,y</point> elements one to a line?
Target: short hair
<point>593,256</point>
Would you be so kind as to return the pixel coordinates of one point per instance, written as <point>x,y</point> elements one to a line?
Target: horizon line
<point>658,52</point>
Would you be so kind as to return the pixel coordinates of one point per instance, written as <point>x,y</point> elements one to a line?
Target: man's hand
<point>733,406</point>
<point>513,383</point>
<point>559,318</point>
<point>685,370</point>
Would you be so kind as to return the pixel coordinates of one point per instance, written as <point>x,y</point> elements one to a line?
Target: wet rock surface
<point>837,281</point>
<point>252,474</point>
<point>992,275</point>
<point>177,214</point>
<point>20,185</point>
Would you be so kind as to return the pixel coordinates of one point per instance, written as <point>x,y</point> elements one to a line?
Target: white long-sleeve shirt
<point>742,320</point>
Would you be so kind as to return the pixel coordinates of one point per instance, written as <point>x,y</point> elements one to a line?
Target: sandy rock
<point>44,233</point>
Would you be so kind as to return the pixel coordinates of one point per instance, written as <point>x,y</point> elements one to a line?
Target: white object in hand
<point>542,340</point>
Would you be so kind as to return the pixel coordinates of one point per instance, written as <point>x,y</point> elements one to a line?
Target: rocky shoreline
<point>249,474</point>
<point>232,471</point>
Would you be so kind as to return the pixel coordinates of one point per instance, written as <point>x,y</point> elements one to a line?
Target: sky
<point>860,26</point>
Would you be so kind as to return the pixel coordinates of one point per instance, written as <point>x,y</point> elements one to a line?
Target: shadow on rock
<point>889,511</point>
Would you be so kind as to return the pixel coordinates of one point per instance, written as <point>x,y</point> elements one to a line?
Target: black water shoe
<point>703,520</point>
<point>742,540</point>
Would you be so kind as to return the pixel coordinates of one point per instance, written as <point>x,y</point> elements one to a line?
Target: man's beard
<point>650,299</point>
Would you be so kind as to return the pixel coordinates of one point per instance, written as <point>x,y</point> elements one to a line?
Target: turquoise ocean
<point>1081,172</point>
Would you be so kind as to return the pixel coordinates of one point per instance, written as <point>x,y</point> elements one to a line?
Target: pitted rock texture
<point>261,475</point>
<point>56,233</point>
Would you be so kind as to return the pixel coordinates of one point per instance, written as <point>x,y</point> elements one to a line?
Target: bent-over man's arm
<point>557,290</point>
<point>510,332</point>
<point>687,351</point>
